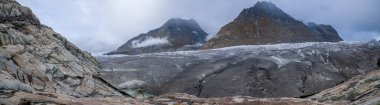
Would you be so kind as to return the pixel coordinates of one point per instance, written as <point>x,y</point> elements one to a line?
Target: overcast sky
<point>100,26</point>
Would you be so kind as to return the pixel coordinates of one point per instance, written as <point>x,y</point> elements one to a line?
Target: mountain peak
<point>263,9</point>
<point>178,22</point>
<point>175,35</point>
<point>265,4</point>
<point>176,19</point>
<point>265,23</point>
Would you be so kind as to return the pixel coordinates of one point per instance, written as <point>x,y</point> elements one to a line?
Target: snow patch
<point>280,61</point>
<point>238,99</point>
<point>179,67</point>
<point>150,41</point>
<point>101,56</point>
<point>210,36</point>
<point>131,84</point>
<point>119,69</point>
<point>323,77</point>
<point>194,32</point>
<point>194,45</point>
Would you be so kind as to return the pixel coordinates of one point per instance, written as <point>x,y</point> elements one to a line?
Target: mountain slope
<point>264,23</point>
<point>175,35</point>
<point>34,58</point>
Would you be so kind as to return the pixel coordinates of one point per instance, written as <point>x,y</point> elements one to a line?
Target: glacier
<point>282,70</point>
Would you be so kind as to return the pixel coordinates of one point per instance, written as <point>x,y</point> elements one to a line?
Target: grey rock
<point>34,58</point>
<point>8,82</point>
<point>324,32</point>
<point>13,11</point>
<point>282,70</point>
<point>363,89</point>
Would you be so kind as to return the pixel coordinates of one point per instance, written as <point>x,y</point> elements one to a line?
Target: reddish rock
<point>266,24</point>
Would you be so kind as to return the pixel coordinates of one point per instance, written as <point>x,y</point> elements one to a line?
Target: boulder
<point>362,89</point>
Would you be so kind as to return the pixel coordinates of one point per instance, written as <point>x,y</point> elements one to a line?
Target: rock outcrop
<point>362,89</point>
<point>34,58</point>
<point>175,35</point>
<point>282,70</point>
<point>264,23</point>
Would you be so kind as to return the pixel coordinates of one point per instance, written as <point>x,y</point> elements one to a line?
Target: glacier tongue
<point>280,70</point>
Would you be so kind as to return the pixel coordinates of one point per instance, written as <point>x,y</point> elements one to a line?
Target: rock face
<point>34,58</point>
<point>362,89</point>
<point>282,70</point>
<point>175,35</point>
<point>266,24</point>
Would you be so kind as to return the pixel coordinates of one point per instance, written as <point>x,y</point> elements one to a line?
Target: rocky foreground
<point>360,90</point>
<point>168,99</point>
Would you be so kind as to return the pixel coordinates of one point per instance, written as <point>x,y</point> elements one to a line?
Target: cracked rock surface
<point>362,89</point>
<point>34,58</point>
<point>282,70</point>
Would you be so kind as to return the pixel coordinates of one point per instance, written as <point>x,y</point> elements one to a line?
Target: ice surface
<point>131,84</point>
<point>194,32</point>
<point>280,61</point>
<point>230,51</point>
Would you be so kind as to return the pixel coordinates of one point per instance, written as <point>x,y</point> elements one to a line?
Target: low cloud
<point>100,26</point>
<point>150,41</point>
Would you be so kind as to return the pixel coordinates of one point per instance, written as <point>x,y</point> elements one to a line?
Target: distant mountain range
<point>264,23</point>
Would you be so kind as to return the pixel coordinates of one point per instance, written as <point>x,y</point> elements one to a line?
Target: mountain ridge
<point>175,35</point>
<point>265,23</point>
